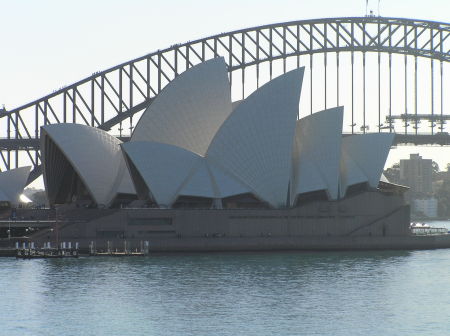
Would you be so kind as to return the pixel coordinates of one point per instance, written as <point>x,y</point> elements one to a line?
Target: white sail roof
<point>12,183</point>
<point>94,155</point>
<point>164,168</point>
<point>169,172</point>
<point>208,180</point>
<point>255,143</point>
<point>188,112</point>
<point>350,172</point>
<point>200,182</point>
<point>369,152</point>
<point>317,153</point>
<point>226,184</point>
<point>309,177</point>
<point>125,185</point>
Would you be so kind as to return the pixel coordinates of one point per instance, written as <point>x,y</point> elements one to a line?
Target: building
<point>426,206</point>
<point>193,148</point>
<point>417,174</point>
<point>12,183</point>
<point>199,166</point>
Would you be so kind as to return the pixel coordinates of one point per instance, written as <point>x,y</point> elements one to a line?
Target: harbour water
<point>289,293</point>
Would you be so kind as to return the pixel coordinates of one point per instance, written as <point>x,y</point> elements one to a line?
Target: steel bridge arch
<point>107,98</point>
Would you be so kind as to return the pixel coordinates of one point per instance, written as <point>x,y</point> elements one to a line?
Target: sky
<point>47,44</point>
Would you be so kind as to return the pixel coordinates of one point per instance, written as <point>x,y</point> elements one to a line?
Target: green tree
<point>393,173</point>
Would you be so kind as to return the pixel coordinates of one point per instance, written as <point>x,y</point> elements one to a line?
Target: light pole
<point>56,227</point>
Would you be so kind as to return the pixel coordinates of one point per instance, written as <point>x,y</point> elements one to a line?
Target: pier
<point>115,252</point>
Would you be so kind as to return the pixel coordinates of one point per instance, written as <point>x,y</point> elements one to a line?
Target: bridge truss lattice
<point>112,99</point>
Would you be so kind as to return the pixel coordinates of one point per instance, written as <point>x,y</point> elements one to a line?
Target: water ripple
<point>329,293</point>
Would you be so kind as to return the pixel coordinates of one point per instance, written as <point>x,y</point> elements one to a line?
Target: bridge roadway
<point>441,139</point>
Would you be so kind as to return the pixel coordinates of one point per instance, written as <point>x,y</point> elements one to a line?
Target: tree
<point>443,197</point>
<point>393,173</point>
<point>39,198</point>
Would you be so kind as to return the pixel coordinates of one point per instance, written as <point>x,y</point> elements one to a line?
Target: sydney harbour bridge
<point>389,73</point>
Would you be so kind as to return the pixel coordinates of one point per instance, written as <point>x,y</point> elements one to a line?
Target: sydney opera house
<point>12,183</point>
<point>201,172</point>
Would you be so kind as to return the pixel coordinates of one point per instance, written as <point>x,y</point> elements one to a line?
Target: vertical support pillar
<point>364,93</point>
<point>74,107</point>
<point>120,101</point>
<point>243,67</point>
<point>102,98</point>
<point>175,60</point>
<point>379,91</point>
<point>46,122</point>
<point>159,68</point>
<point>441,65</point>
<point>416,123</point>
<point>257,58</point>
<point>230,62</point>
<point>16,136</point>
<point>148,72</point>
<point>36,131</point>
<point>311,80</point>
<point>8,166</point>
<point>92,103</point>
<point>337,64</point>
<point>203,52</point>
<point>298,46</point>
<point>406,93</point>
<point>432,95</point>
<point>337,78</point>
<point>36,118</point>
<point>432,83</point>
<point>270,52</point>
<point>325,64</point>
<point>325,79</point>
<point>353,91</point>
<point>390,93</point>
<point>284,50</point>
<point>311,66</point>
<point>65,105</point>
<point>131,97</point>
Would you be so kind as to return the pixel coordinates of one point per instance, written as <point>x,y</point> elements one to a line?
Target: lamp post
<point>9,229</point>
<point>55,229</point>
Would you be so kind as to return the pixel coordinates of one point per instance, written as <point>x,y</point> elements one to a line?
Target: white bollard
<point>17,245</point>
<point>76,245</point>
<point>32,245</point>
<point>24,245</point>
<point>69,245</point>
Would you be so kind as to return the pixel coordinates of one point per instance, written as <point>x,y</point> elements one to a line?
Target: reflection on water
<point>329,293</point>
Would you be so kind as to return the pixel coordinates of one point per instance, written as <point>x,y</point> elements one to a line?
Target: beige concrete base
<point>370,220</point>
